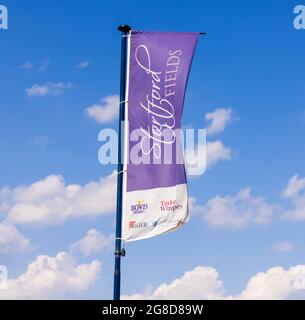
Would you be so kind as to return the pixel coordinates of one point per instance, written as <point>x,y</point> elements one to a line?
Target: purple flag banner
<point>155,198</point>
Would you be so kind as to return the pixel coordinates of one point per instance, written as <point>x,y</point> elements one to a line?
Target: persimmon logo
<point>299,20</point>
<point>3,17</point>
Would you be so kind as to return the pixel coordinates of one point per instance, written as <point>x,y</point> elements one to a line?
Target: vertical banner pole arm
<point>125,29</point>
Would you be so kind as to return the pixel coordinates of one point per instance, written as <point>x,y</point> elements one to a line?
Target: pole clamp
<point>121,253</point>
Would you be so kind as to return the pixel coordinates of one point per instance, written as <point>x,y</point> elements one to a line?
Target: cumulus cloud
<point>276,284</point>
<point>294,187</point>
<point>219,119</point>
<point>235,212</point>
<point>282,246</point>
<point>204,283</point>
<point>83,65</point>
<point>4,199</point>
<point>11,240</point>
<point>52,278</point>
<point>52,201</point>
<point>206,156</point>
<point>199,284</point>
<point>93,242</point>
<point>295,193</point>
<point>217,151</point>
<point>50,88</point>
<point>208,153</point>
<point>106,111</point>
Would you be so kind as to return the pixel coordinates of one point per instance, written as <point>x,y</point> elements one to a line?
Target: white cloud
<point>44,65</point>
<point>83,65</point>
<point>106,111</point>
<point>297,212</point>
<point>194,207</point>
<point>4,199</point>
<point>235,212</point>
<point>283,246</point>
<point>93,242</point>
<point>219,119</point>
<point>27,65</point>
<point>208,153</point>
<point>294,187</point>
<point>50,88</point>
<point>295,193</point>
<point>11,240</point>
<point>216,151</point>
<point>52,278</point>
<point>52,201</point>
<point>199,284</point>
<point>37,90</point>
<point>206,157</point>
<point>276,284</point>
<point>204,283</point>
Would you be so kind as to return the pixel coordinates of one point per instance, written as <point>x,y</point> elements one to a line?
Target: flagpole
<point>125,29</point>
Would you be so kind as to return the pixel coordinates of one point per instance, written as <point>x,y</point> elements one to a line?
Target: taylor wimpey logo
<point>3,17</point>
<point>170,205</point>
<point>137,225</point>
<point>160,111</point>
<point>139,207</point>
<point>299,20</point>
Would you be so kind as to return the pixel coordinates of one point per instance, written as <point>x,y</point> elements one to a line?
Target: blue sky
<point>251,62</point>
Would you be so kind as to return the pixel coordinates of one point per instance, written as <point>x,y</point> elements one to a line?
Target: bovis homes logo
<point>139,207</point>
<point>3,17</point>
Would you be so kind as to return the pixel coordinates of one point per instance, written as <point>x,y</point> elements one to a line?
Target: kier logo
<point>131,224</point>
<point>137,225</point>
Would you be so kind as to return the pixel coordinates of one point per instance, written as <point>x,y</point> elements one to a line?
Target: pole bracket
<point>121,253</point>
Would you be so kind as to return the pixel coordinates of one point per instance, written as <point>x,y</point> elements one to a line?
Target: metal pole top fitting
<point>124,28</point>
